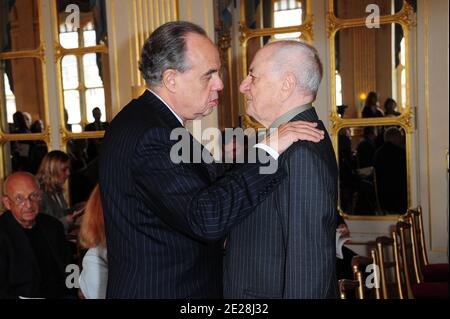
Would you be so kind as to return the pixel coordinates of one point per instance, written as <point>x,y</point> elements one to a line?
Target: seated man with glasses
<point>33,249</point>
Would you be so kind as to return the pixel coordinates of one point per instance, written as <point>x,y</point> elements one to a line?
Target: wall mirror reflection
<point>19,25</point>
<point>370,73</point>
<point>22,155</point>
<point>372,170</point>
<point>86,91</point>
<point>89,30</point>
<point>274,13</point>
<point>352,9</point>
<point>22,96</point>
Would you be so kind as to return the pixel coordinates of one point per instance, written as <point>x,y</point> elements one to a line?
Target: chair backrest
<point>346,285</point>
<point>360,269</point>
<point>417,247</point>
<point>389,263</point>
<point>404,232</point>
<point>416,216</point>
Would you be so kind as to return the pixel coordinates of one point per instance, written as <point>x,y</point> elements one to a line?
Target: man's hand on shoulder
<point>291,132</point>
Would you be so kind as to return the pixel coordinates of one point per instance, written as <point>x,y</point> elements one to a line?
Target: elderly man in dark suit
<point>165,220</point>
<point>286,249</point>
<point>33,250</point>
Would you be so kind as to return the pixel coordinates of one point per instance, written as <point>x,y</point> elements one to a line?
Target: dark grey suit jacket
<point>165,222</point>
<point>286,249</point>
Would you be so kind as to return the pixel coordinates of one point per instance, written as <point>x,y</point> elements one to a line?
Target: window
<point>82,85</point>
<point>10,100</point>
<point>287,13</point>
<point>338,88</point>
<point>403,73</point>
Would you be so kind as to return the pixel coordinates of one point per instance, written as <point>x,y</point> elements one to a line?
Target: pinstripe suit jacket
<point>286,249</point>
<point>165,222</point>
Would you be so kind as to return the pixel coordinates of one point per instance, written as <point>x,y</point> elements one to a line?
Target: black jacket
<point>19,270</point>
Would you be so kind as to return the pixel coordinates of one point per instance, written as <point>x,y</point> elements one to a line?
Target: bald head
<point>17,180</point>
<point>21,196</point>
<point>299,58</point>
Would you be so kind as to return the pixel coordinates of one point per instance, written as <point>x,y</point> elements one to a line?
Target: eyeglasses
<point>20,199</point>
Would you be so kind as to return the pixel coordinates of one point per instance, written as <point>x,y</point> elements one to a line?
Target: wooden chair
<point>347,285</point>
<point>390,272</point>
<point>414,288</point>
<point>423,270</point>
<point>359,267</point>
<point>407,256</point>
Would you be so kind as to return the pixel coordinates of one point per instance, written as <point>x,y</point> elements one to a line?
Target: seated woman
<point>53,173</point>
<point>94,276</point>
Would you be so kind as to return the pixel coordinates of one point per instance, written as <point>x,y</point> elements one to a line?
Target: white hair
<point>302,60</point>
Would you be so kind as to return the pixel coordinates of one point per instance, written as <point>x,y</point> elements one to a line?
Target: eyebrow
<point>210,72</point>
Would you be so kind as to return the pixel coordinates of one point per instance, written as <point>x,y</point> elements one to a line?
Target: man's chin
<point>208,111</point>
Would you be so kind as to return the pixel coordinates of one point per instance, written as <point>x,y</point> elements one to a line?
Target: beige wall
<point>432,121</point>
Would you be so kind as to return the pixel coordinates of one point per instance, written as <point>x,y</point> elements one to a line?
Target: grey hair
<point>166,49</point>
<point>302,59</point>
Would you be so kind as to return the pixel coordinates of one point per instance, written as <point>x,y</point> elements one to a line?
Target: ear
<point>288,85</point>
<point>6,203</point>
<point>169,79</point>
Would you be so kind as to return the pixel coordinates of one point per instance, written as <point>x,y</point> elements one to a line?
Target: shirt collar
<point>173,112</point>
<point>286,117</point>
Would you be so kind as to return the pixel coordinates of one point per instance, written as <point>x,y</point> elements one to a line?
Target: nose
<point>245,85</point>
<point>27,203</point>
<point>218,85</point>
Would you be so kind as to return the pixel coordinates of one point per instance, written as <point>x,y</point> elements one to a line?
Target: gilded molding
<point>38,53</point>
<point>403,17</point>
<point>406,18</point>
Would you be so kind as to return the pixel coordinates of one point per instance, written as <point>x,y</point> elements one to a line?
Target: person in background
<point>20,149</point>
<point>33,250</point>
<point>371,107</point>
<point>97,125</point>
<point>53,173</point>
<point>94,276</point>
<point>28,119</point>
<point>389,108</point>
<point>37,126</point>
<point>94,144</point>
<point>390,169</point>
<point>366,148</point>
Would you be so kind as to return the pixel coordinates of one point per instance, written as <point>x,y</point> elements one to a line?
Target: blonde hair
<point>49,170</point>
<point>92,231</point>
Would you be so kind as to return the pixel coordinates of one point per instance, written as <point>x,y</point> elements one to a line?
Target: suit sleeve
<point>310,224</point>
<point>185,197</point>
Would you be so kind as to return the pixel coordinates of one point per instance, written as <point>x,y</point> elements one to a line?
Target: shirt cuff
<point>268,149</point>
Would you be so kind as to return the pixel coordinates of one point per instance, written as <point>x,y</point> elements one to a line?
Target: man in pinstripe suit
<point>286,249</point>
<point>165,221</point>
